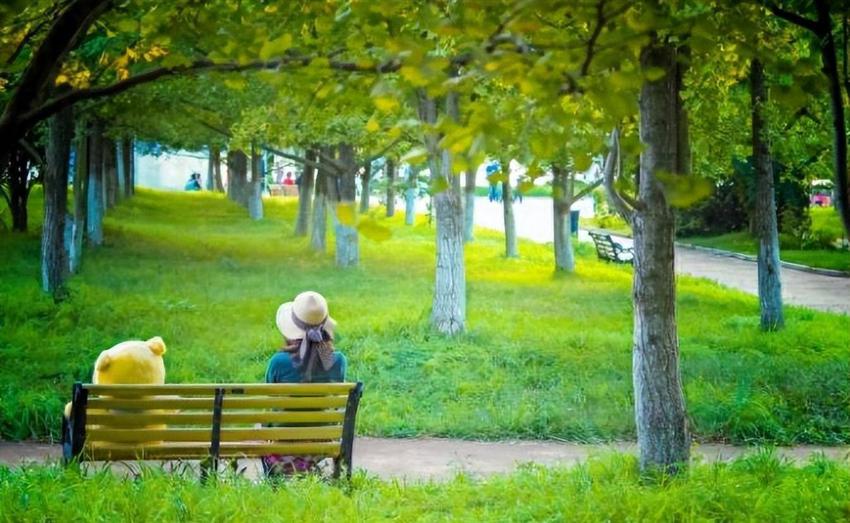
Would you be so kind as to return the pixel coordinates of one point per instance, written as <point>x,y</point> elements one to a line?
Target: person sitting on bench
<point>307,356</point>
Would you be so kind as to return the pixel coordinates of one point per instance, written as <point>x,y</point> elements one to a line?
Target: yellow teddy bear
<point>131,362</point>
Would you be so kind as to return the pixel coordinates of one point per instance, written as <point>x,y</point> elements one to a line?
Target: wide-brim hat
<point>309,308</point>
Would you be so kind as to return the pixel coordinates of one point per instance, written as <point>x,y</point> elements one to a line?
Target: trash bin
<point>574,222</point>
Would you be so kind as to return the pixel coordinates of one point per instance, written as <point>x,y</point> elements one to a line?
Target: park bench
<point>608,249</point>
<point>209,422</point>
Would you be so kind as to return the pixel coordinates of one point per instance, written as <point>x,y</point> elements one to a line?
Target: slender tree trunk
<point>131,166</point>
<point>347,241</point>
<point>366,182</point>
<point>511,245</point>
<point>448,313</point>
<point>469,207</point>
<point>128,161</point>
<point>255,188</point>
<point>18,165</point>
<point>561,203</point>
<point>54,265</point>
<point>81,179</point>
<point>210,183</point>
<point>237,174</point>
<point>769,280</point>
<point>390,169</point>
<point>410,196</point>
<point>120,170</point>
<point>305,194</point>
<point>318,236</point>
<point>660,416</point>
<point>110,173</point>
<point>94,207</point>
<point>215,160</point>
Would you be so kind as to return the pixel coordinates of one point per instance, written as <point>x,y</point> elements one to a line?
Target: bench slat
<point>116,451</point>
<point>230,402</point>
<point>119,419</point>
<point>208,389</point>
<point>264,434</point>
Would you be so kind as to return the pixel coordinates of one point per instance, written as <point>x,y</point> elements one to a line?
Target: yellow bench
<point>211,422</point>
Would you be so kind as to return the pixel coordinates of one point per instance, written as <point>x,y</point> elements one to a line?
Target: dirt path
<point>817,291</point>
<point>440,459</point>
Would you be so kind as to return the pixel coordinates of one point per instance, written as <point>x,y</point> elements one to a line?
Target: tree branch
<point>588,188</point>
<point>610,172</point>
<point>792,17</point>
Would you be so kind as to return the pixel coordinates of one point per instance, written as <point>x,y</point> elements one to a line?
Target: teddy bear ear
<point>103,362</point>
<point>156,345</point>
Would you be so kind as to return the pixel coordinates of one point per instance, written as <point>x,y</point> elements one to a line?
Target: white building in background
<point>171,170</point>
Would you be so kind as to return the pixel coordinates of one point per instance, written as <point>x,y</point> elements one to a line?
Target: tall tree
<point>95,202</point>
<point>511,242</point>
<point>54,264</point>
<point>390,172</point>
<point>767,230</point>
<point>365,185</point>
<point>254,189</point>
<point>81,180</point>
<point>347,240</point>
<point>305,193</point>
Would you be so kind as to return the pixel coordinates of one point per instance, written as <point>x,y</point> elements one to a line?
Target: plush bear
<point>130,362</point>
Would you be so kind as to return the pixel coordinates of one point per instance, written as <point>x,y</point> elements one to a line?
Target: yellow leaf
<point>275,47</point>
<point>414,75</point>
<point>374,231</point>
<point>345,214</point>
<point>372,125</point>
<point>62,79</point>
<point>415,156</point>
<point>386,103</point>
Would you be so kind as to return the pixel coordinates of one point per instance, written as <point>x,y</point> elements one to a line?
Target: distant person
<point>279,179</point>
<point>494,193</point>
<point>289,180</point>
<point>308,355</point>
<point>194,183</point>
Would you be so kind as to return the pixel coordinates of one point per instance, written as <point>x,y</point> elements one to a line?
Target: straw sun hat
<point>308,308</point>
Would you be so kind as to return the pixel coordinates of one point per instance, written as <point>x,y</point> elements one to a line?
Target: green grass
<point>544,356</point>
<point>758,488</point>
<point>744,243</point>
<point>609,222</point>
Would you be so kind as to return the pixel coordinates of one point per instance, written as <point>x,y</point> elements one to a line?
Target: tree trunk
<point>660,416</point>
<point>365,185</point>
<point>18,165</point>
<point>129,161</point>
<point>215,159</point>
<point>563,245</point>
<point>769,280</point>
<point>53,262</point>
<point>81,179</point>
<point>120,170</point>
<point>110,173</point>
<point>305,194</point>
<point>469,207</point>
<point>511,246</point>
<point>237,177</point>
<point>347,241</point>
<point>94,206</point>
<point>410,196</point>
<point>318,236</point>
<point>448,313</point>
<point>390,169</point>
<point>255,188</point>
<point>210,183</point>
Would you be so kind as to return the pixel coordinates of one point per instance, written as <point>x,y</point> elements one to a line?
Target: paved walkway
<point>440,459</point>
<point>828,293</point>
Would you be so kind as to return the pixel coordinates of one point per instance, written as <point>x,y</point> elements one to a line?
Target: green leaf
<point>415,156</point>
<point>684,191</point>
<point>275,47</point>
<point>439,184</point>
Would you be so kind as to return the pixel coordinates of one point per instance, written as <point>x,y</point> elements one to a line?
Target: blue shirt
<point>282,370</point>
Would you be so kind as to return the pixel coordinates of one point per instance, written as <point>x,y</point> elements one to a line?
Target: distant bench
<point>212,421</point>
<point>608,249</point>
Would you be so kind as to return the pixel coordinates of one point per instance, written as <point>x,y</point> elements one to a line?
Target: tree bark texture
<point>469,207</point>
<point>94,206</point>
<point>54,265</point>
<point>210,182</point>
<point>562,241</point>
<point>511,245</point>
<point>81,179</point>
<point>767,232</point>
<point>448,312</point>
<point>215,159</point>
<point>347,241</point>
<point>237,177</point>
<point>18,165</point>
<point>660,416</point>
<point>305,194</point>
<point>390,169</point>
<point>110,173</point>
<point>129,167</point>
<point>410,196</point>
<point>255,187</point>
<point>365,186</point>
<point>120,170</point>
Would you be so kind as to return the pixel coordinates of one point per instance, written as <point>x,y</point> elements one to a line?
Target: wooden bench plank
<point>230,402</point>
<point>119,419</point>
<point>117,451</point>
<point>208,389</point>
<point>95,435</point>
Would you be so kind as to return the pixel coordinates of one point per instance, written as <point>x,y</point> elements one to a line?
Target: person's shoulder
<point>281,358</point>
<point>340,357</point>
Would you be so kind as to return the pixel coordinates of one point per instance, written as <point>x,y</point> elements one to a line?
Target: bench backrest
<point>604,245</point>
<point>161,422</point>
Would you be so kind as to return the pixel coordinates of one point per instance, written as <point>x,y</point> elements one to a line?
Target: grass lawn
<point>758,488</point>
<point>744,243</point>
<point>544,356</point>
